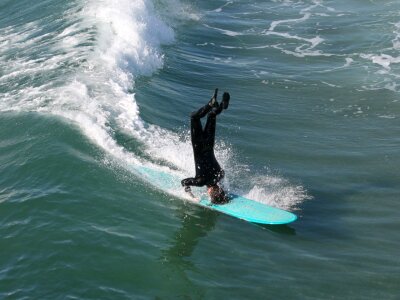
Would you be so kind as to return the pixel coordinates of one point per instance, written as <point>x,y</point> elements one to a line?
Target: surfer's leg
<point>204,110</point>
<point>211,125</point>
<point>201,112</point>
<point>196,130</point>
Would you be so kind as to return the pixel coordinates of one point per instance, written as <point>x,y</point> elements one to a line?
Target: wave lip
<point>130,34</point>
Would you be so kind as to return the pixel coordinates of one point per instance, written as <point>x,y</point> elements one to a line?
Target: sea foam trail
<point>95,90</point>
<point>90,67</point>
<point>105,47</point>
<point>129,39</point>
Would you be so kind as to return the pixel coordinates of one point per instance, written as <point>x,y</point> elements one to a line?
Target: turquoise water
<point>90,89</point>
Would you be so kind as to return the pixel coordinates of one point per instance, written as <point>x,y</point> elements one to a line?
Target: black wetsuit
<point>208,170</point>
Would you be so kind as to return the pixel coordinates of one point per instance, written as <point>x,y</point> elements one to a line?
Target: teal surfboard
<point>238,206</point>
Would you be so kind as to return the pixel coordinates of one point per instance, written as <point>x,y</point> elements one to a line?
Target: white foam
<point>349,61</point>
<point>308,10</point>
<point>330,84</point>
<point>303,49</point>
<point>387,60</point>
<point>305,12</point>
<point>384,60</point>
<point>276,23</point>
<point>277,192</point>
<point>387,116</point>
<point>219,9</point>
<point>224,31</point>
<point>396,40</point>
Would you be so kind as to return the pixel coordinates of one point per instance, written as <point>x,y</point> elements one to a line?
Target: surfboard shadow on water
<point>196,224</point>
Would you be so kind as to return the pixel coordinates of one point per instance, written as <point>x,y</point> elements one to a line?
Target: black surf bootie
<point>213,102</point>
<point>225,100</point>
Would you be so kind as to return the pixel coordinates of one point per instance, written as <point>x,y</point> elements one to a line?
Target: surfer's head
<point>217,194</point>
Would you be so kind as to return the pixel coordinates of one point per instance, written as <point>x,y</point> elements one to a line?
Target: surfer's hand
<point>187,189</point>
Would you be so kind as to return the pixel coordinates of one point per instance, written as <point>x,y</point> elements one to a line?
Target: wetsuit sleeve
<point>196,181</point>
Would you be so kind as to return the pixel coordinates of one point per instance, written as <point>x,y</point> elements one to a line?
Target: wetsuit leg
<point>201,112</point>
<point>199,141</point>
<point>210,127</point>
<point>196,129</point>
<point>209,137</point>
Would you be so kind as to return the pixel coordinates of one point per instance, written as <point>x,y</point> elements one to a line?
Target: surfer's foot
<point>225,100</point>
<point>213,102</point>
<point>217,110</point>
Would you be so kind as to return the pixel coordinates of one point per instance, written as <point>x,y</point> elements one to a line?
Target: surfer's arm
<point>197,181</point>
<point>193,181</point>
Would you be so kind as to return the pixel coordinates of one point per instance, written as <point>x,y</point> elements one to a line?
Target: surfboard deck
<point>238,206</point>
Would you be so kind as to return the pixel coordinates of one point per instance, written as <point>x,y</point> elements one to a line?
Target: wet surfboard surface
<point>238,206</point>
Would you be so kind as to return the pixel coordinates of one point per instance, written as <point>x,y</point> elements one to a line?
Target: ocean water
<point>90,89</point>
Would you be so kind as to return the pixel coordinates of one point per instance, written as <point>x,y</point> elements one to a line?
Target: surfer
<point>208,170</point>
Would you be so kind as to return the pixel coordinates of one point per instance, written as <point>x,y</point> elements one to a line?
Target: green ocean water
<point>89,89</point>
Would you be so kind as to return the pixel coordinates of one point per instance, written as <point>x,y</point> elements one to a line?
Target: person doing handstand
<point>208,170</point>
